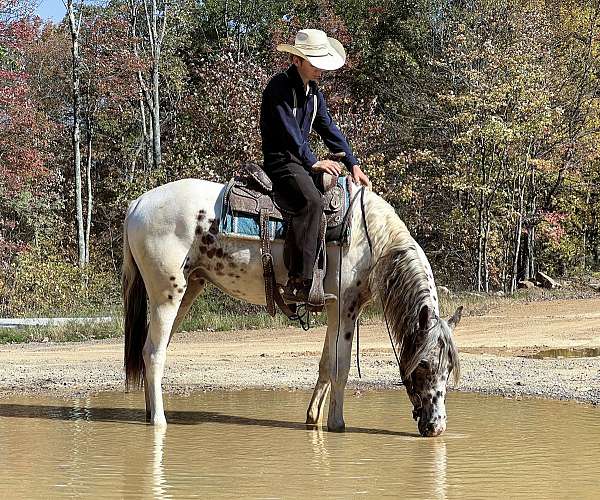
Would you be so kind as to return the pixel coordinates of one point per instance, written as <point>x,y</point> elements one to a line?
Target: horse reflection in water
<point>159,481</point>
<point>173,246</point>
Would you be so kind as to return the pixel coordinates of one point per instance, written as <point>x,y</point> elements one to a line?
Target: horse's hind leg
<point>194,288</point>
<point>162,317</point>
<point>313,414</point>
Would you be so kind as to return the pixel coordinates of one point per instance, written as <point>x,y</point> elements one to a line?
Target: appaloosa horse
<point>173,246</point>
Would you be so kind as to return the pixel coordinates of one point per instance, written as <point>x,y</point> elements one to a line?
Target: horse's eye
<point>424,364</point>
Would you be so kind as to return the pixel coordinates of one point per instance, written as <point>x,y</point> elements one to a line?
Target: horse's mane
<point>400,280</point>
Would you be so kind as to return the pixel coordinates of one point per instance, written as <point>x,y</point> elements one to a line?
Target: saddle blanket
<point>247,226</point>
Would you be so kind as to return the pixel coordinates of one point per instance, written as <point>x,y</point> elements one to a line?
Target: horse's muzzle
<point>432,428</point>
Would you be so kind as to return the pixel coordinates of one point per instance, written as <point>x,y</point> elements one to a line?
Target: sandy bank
<point>492,349</point>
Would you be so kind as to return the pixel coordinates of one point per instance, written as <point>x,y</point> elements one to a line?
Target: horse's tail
<point>136,323</point>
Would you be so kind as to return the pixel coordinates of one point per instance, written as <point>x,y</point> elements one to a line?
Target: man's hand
<point>331,167</point>
<point>359,177</point>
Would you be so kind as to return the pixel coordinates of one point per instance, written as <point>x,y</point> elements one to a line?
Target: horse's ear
<point>455,319</point>
<point>424,317</point>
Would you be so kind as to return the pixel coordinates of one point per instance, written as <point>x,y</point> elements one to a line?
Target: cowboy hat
<point>317,48</point>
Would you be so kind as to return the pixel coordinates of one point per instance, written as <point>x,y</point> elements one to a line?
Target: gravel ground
<point>492,349</point>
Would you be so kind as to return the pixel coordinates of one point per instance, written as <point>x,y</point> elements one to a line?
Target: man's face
<point>307,70</point>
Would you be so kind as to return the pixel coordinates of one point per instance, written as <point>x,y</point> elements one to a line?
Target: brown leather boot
<point>297,290</point>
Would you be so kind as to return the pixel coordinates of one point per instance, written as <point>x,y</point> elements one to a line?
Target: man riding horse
<point>292,106</point>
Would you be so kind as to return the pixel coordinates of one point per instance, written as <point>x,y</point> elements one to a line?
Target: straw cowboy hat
<point>317,48</point>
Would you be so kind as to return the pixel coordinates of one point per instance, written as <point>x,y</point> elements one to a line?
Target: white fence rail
<point>25,322</point>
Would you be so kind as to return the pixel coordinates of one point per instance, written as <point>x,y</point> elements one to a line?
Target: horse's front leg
<point>155,354</point>
<point>340,353</point>
<point>313,414</point>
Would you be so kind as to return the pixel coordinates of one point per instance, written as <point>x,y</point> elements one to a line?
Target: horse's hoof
<point>336,427</point>
<point>312,427</point>
<point>312,420</point>
<point>159,422</point>
<point>148,417</point>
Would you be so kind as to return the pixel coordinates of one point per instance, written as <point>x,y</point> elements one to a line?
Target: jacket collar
<point>298,84</point>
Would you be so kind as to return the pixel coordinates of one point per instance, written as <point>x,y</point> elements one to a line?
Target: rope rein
<point>364,219</point>
<point>304,317</point>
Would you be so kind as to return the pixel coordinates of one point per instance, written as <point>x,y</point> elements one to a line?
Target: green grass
<point>77,311</point>
<point>215,311</point>
<point>63,333</point>
<point>217,322</point>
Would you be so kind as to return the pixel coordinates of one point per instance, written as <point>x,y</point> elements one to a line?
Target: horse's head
<point>426,364</point>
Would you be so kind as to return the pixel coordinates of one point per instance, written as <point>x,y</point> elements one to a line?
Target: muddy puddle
<point>574,352</point>
<point>253,444</point>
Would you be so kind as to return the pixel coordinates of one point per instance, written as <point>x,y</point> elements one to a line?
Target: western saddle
<point>251,193</point>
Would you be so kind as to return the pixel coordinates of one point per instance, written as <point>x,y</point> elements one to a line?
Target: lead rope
<point>364,219</point>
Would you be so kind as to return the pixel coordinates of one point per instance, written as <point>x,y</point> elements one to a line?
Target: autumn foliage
<point>479,121</point>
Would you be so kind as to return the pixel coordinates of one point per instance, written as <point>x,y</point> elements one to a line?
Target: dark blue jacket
<point>286,116</point>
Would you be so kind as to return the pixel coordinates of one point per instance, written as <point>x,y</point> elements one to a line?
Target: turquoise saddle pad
<point>247,226</point>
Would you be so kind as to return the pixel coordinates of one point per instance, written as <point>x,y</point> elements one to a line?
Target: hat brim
<point>334,59</point>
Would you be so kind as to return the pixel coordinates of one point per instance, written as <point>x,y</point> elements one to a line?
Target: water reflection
<point>574,352</point>
<point>159,481</point>
<point>440,465</point>
<point>319,447</point>
<point>253,444</point>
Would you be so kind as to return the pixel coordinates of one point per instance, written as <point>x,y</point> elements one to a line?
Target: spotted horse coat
<point>172,247</point>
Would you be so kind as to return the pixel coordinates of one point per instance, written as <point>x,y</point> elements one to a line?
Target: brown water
<point>253,444</point>
<point>574,352</point>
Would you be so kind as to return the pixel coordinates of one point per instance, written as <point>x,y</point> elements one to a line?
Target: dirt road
<point>492,349</point>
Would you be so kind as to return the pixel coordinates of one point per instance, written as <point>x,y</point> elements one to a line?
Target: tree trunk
<point>239,31</point>
<point>530,254</point>
<point>522,184</point>
<point>90,200</point>
<point>146,130</point>
<point>585,232</point>
<point>480,243</point>
<point>480,210</point>
<point>150,84</point>
<point>156,35</point>
<point>74,27</point>
<point>156,150</point>
<point>517,241</point>
<point>486,267</point>
<point>517,235</point>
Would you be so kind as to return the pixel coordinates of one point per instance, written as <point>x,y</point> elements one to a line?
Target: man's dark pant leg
<point>295,192</point>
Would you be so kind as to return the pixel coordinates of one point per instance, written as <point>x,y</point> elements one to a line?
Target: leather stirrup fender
<point>267,260</point>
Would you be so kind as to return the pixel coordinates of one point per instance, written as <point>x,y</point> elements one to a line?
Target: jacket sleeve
<point>331,134</point>
<point>283,119</point>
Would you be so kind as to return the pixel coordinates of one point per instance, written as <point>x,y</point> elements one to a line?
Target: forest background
<point>478,120</point>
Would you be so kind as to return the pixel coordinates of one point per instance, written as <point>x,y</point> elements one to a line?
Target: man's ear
<point>455,319</point>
